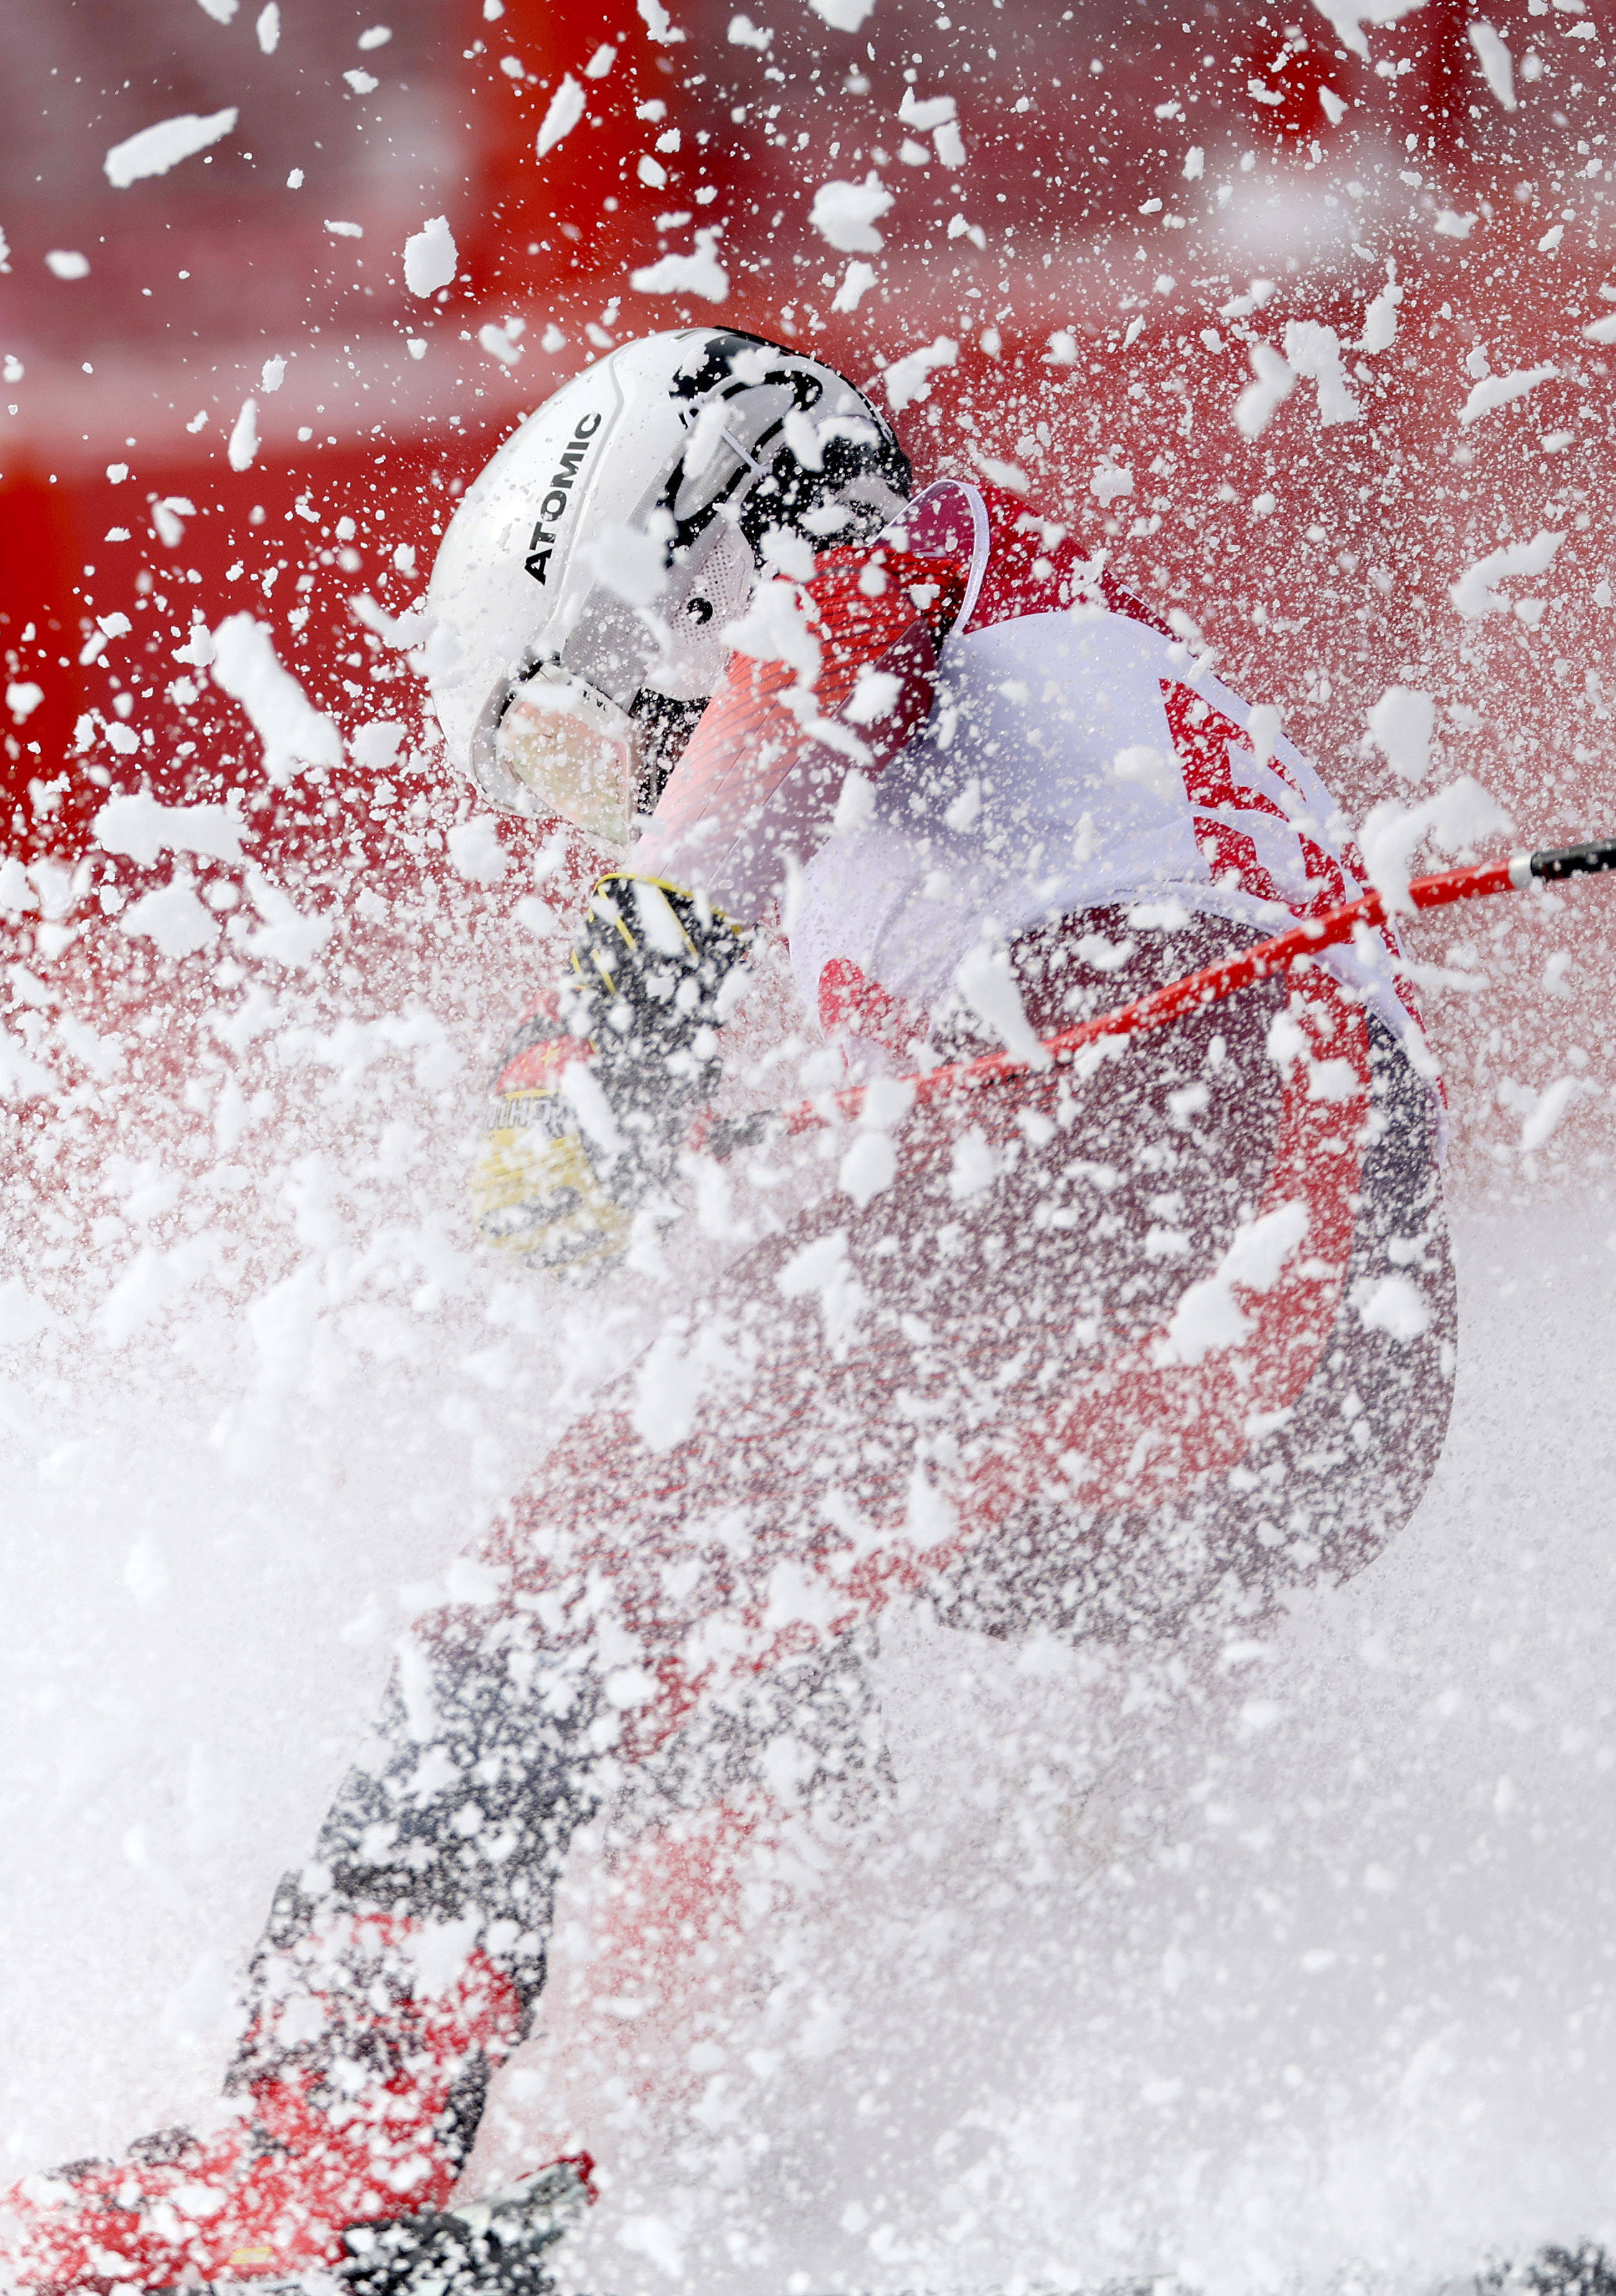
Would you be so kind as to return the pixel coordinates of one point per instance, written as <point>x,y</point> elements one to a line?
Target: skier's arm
<point>595,1096</point>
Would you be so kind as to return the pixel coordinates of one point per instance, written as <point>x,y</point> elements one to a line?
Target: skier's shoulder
<point>1033,562</point>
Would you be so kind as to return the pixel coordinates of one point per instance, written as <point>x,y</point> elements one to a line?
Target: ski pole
<point>1213,983</point>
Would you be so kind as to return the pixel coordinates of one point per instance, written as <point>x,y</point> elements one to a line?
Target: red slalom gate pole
<point>1216,981</point>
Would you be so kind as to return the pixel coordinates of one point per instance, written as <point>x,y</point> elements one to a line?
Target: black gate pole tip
<point>1561,861</point>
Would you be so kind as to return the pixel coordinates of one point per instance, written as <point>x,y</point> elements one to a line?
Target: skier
<point>1126,1350</point>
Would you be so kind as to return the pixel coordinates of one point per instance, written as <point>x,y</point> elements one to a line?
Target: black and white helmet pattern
<point>615,535</point>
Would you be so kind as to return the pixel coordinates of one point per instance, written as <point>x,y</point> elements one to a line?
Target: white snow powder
<point>475,851</point>
<point>1461,814</point>
<point>1109,482</point>
<point>1259,402</point>
<point>1380,318</point>
<point>1397,1307</point>
<point>858,278</point>
<point>984,979</point>
<point>658,26</point>
<point>501,342</point>
<point>845,214</point>
<point>429,257</point>
<point>868,1166</point>
<point>244,437</point>
<point>293,733</point>
<point>173,917</point>
<point>1503,391</point>
<point>698,274</point>
<point>1209,1316</point>
<point>1476,592</point>
<point>1314,352</point>
<point>908,380</point>
<point>288,937</point>
<point>1545,1118</point>
<point>561,115</point>
<point>157,149</point>
<point>1347,18</point>
<point>774,628</point>
<point>1497,68</point>
<point>138,825</point>
<point>1401,726</point>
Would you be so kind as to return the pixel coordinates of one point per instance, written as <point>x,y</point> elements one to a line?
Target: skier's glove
<point>593,1099</point>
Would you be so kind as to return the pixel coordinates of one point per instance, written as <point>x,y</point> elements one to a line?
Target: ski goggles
<point>573,750</point>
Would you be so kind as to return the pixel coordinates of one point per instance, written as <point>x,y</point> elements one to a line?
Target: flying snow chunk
<point>287,938</point>
<point>869,1166</point>
<point>858,280</point>
<point>475,851</point>
<point>66,263</point>
<point>244,438</point>
<point>268,28</point>
<point>22,698</point>
<point>1401,726</point>
<point>1497,67</point>
<point>173,917</point>
<point>431,256</point>
<point>1461,814</point>
<point>659,25</point>
<point>223,12</point>
<point>847,214</point>
<point>843,15</point>
<point>344,230</point>
<point>1397,1308</point>
<point>774,628</point>
<point>744,33</point>
<point>1209,1317</point>
<point>1476,592</point>
<point>908,378</point>
<point>1545,1118</point>
<point>293,733</point>
<point>565,110</point>
<point>1348,18</point>
<point>1601,331</point>
<point>157,149</point>
<point>700,274</point>
<point>1503,391</point>
<point>137,825</point>
<point>984,979</point>
<point>1379,320</point>
<point>501,343</point>
<point>1315,353</point>
<point>925,114</point>
<point>1258,403</point>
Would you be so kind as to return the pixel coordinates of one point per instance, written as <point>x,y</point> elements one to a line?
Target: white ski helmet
<point>578,596</point>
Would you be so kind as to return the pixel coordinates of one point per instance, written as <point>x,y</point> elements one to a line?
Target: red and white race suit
<point>1113,1355</point>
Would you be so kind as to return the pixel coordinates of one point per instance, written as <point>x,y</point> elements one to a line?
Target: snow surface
<point>1239,1979</point>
